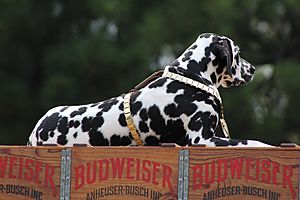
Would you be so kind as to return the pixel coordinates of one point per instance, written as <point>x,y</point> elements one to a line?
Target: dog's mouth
<point>238,82</point>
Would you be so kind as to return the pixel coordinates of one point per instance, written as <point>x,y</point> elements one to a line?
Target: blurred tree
<point>71,52</point>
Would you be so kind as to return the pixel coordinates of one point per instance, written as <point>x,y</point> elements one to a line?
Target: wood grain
<point>150,173</point>
<point>29,172</point>
<point>124,173</point>
<point>244,173</point>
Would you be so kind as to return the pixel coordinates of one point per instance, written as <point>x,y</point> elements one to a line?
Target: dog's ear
<point>223,50</point>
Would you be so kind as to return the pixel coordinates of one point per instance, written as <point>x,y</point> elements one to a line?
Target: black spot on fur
<point>205,121</point>
<point>196,123</point>
<point>86,124</point>
<point>117,140</point>
<point>206,82</point>
<point>190,142</point>
<point>224,142</point>
<point>175,133</point>
<point>95,104</point>
<point>242,70</point>
<point>190,95</point>
<point>193,47</point>
<point>80,111</point>
<point>215,104</point>
<point>175,63</point>
<point>64,108</point>
<point>219,79</point>
<point>62,140</point>
<point>152,141</point>
<point>76,124</point>
<point>252,70</point>
<point>219,142</point>
<point>157,122</point>
<point>39,143</point>
<point>209,125</point>
<point>108,104</point>
<point>63,129</point>
<point>143,127</point>
<point>215,61</point>
<point>125,141</point>
<point>48,124</point>
<point>213,77</point>
<point>220,69</point>
<point>51,134</point>
<point>121,106</point>
<point>71,123</point>
<point>171,111</point>
<point>75,135</point>
<point>206,35</point>
<point>122,120</point>
<point>97,122</point>
<point>63,126</point>
<point>90,123</point>
<point>135,107</point>
<point>182,108</point>
<point>218,61</point>
<point>99,114</point>
<point>187,56</point>
<point>97,139</point>
<point>174,86</point>
<point>196,67</point>
<point>135,95</point>
<point>235,142</point>
<point>207,51</point>
<point>197,139</point>
<point>158,83</point>
<point>177,70</point>
<point>233,71</point>
<point>144,114</point>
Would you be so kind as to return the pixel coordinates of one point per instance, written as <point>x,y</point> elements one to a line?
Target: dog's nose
<point>248,78</point>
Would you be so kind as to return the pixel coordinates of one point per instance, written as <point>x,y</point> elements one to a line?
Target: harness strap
<point>149,79</point>
<point>126,104</point>
<point>164,73</point>
<point>209,89</point>
<point>129,119</point>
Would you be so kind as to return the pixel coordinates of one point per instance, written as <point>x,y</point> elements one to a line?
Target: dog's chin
<point>235,83</point>
<point>227,84</point>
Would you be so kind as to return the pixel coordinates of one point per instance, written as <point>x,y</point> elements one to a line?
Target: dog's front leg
<point>226,142</point>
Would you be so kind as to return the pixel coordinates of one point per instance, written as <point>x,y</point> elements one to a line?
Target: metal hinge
<point>65,174</point>
<point>183,174</point>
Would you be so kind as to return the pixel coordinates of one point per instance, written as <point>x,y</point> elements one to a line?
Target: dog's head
<point>231,69</point>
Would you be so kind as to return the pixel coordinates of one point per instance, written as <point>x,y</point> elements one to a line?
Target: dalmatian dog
<point>164,111</point>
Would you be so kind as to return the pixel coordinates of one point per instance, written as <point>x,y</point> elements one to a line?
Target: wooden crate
<point>158,173</point>
<point>124,173</point>
<point>244,173</point>
<point>29,173</point>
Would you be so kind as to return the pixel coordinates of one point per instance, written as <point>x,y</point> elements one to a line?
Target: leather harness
<point>164,73</point>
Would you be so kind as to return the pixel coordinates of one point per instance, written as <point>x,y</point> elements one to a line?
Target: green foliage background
<point>58,52</point>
